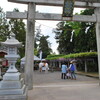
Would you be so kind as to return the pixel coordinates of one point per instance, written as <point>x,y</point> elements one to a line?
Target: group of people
<point>43,66</point>
<point>68,71</point>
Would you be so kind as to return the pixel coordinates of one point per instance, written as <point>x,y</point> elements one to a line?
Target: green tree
<point>63,36</point>
<point>81,34</point>
<point>44,46</point>
<point>4,26</point>
<point>86,39</point>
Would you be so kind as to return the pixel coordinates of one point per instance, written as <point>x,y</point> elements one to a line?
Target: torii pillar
<point>29,48</point>
<point>97,13</point>
<point>29,53</point>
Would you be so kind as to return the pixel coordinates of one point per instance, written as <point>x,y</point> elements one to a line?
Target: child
<point>68,74</point>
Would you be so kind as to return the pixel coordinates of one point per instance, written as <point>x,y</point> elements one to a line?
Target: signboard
<point>68,8</point>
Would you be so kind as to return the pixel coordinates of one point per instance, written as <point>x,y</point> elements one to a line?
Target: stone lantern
<point>12,45</point>
<point>12,86</point>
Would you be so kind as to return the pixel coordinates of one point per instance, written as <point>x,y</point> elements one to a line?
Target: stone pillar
<point>54,64</point>
<point>51,65</point>
<point>59,64</point>
<point>85,66</point>
<point>29,53</point>
<point>0,72</point>
<point>97,13</point>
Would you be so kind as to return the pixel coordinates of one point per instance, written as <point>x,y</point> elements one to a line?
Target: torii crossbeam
<point>78,3</point>
<point>50,16</point>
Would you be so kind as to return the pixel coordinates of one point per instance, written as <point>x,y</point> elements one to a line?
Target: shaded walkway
<point>49,86</point>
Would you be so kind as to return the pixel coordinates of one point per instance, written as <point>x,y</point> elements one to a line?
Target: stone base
<point>15,97</point>
<point>13,91</point>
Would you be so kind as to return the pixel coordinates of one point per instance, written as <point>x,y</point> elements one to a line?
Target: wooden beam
<point>16,15</point>
<point>58,17</point>
<point>54,17</point>
<point>58,3</point>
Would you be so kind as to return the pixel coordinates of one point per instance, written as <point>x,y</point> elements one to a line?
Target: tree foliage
<point>74,37</point>
<point>44,46</point>
<point>86,39</point>
<point>63,36</point>
<point>17,26</point>
<point>4,26</point>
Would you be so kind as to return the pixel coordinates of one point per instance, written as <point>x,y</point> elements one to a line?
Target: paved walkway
<point>49,86</point>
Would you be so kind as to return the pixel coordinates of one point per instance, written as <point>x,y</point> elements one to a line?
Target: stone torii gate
<point>31,16</point>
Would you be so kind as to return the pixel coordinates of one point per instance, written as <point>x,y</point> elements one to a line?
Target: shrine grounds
<point>50,86</point>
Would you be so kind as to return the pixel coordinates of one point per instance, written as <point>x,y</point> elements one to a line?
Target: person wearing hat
<point>72,70</point>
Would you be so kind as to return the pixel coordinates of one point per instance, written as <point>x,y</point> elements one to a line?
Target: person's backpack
<point>72,68</point>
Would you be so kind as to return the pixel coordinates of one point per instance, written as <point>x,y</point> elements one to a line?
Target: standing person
<point>46,66</point>
<point>72,70</point>
<point>63,71</point>
<point>40,66</point>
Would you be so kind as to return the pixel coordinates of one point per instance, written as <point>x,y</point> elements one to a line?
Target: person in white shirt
<point>46,67</point>
<point>40,66</point>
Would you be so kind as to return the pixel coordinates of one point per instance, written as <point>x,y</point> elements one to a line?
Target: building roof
<point>35,58</point>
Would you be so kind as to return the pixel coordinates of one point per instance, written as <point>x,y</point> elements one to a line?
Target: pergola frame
<point>31,16</point>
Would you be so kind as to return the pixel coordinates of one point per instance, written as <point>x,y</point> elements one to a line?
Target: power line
<point>45,25</point>
<point>62,28</point>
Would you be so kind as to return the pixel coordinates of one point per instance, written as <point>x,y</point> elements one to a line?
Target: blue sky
<point>46,26</point>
